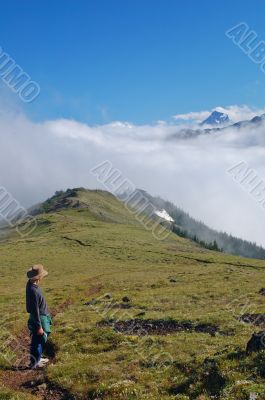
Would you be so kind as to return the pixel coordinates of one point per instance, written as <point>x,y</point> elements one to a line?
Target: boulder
<point>256,342</point>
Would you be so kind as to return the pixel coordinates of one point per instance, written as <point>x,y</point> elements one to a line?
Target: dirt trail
<point>35,382</point>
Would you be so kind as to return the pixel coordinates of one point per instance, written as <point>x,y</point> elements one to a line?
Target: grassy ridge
<point>92,246</point>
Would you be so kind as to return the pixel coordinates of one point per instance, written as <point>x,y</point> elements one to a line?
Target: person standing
<point>40,321</point>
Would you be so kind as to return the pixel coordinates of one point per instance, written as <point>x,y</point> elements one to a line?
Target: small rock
<point>173,280</point>
<point>126,299</point>
<point>43,386</point>
<point>108,296</point>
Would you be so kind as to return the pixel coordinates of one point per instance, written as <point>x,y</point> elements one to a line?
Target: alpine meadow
<point>135,318</point>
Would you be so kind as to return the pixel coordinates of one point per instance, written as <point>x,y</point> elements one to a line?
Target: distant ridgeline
<point>189,227</point>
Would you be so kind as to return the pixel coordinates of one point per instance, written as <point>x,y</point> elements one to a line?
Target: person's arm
<point>35,311</point>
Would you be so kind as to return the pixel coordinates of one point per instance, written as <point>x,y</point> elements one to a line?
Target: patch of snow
<point>164,215</point>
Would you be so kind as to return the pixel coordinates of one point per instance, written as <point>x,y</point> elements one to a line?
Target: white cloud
<point>195,116</point>
<point>39,158</point>
<point>236,113</point>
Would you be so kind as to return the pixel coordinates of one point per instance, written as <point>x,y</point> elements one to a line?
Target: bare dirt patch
<point>143,327</point>
<point>35,383</point>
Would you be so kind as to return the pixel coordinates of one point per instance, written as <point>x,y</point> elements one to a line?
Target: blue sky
<point>132,60</point>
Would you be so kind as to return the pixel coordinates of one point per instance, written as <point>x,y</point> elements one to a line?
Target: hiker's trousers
<point>36,348</point>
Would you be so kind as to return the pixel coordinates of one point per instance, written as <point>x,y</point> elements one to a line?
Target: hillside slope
<point>136,318</point>
<point>190,227</point>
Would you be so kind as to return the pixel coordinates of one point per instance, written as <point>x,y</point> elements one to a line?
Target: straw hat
<point>37,272</point>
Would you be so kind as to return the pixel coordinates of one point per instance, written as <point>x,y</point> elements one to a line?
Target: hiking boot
<point>41,364</point>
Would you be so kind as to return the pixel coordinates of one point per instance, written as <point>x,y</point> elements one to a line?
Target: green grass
<point>12,395</point>
<point>101,245</point>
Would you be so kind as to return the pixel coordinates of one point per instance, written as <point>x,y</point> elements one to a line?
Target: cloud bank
<point>39,158</point>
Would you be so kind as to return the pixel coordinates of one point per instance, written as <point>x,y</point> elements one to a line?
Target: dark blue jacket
<point>35,303</point>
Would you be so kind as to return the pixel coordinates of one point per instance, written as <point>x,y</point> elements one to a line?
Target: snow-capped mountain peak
<point>258,118</point>
<point>216,118</point>
<point>164,215</point>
